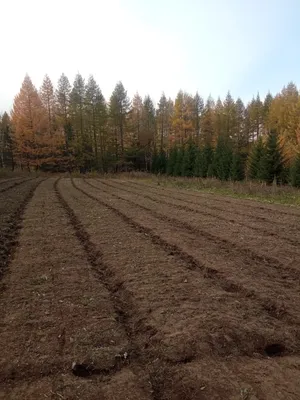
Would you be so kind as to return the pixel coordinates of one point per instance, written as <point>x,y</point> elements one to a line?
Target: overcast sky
<point>152,45</point>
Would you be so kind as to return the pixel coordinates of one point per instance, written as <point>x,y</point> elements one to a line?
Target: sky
<point>152,46</point>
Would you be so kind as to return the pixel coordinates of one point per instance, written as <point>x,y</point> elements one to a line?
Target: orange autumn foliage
<point>34,143</point>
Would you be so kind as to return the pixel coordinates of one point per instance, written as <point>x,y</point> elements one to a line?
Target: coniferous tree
<point>48,101</point>
<point>237,172</point>
<point>118,111</point>
<point>206,160</point>
<point>172,161</point>
<point>222,159</point>
<point>162,162</point>
<point>188,160</point>
<point>295,172</point>
<point>198,161</point>
<point>96,118</point>
<point>255,160</point>
<point>178,163</point>
<point>272,165</point>
<point>6,143</point>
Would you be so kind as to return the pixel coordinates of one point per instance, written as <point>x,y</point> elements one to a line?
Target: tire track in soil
<point>254,204</point>
<point>222,242</point>
<point>14,184</point>
<point>208,206</point>
<point>274,310</point>
<point>10,229</point>
<point>118,295</point>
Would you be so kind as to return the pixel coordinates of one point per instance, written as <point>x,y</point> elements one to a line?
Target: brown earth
<point>149,293</point>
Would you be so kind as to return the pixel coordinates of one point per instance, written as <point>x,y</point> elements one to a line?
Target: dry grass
<point>245,190</point>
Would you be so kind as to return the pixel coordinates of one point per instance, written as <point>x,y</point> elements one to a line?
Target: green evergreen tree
<point>210,171</point>
<point>237,172</point>
<point>295,172</point>
<point>272,164</point>
<point>172,160</point>
<point>188,161</point>
<point>255,159</point>
<point>179,160</point>
<point>162,162</point>
<point>222,159</point>
<point>154,162</point>
<point>206,160</point>
<point>198,161</point>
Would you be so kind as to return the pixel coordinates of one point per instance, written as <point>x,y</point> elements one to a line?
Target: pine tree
<point>188,161</point>
<point>272,160</point>
<point>172,161</point>
<point>295,172</point>
<point>255,159</point>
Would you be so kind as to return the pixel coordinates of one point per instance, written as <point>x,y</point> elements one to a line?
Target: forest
<point>73,127</point>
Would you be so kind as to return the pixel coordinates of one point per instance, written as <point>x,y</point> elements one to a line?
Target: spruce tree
<point>272,160</point>
<point>162,162</point>
<point>210,171</point>
<point>178,164</point>
<point>295,172</point>
<point>222,159</point>
<point>172,160</point>
<point>188,161</point>
<point>255,159</point>
<point>154,162</point>
<point>206,160</point>
<point>237,167</point>
<point>198,161</point>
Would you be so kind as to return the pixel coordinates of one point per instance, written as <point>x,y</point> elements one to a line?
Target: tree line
<point>73,127</point>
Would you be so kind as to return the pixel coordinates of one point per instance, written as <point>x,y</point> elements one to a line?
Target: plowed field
<point>120,289</point>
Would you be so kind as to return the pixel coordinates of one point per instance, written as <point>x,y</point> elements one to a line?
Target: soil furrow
<point>14,184</point>
<point>10,224</point>
<point>69,339</point>
<point>118,297</point>
<point>226,274</point>
<point>252,221</point>
<point>196,226</point>
<point>256,206</point>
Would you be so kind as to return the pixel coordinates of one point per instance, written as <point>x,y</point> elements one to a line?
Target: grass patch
<point>250,190</point>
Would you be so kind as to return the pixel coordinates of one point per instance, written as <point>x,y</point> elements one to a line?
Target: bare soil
<point>124,290</point>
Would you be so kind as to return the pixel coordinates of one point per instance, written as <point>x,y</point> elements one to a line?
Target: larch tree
<point>119,106</point>
<point>82,143</point>
<point>162,120</point>
<point>30,122</point>
<point>198,107</point>
<point>48,101</point>
<point>136,120</point>
<point>96,118</point>
<point>62,108</point>
<point>6,143</point>
<point>148,131</point>
<point>207,122</point>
